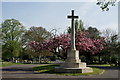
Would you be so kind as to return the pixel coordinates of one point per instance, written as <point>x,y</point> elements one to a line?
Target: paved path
<point>25,71</point>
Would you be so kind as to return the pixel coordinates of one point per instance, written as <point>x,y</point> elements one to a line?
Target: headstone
<point>73,64</point>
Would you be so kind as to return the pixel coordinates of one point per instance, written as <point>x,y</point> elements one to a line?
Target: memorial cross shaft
<point>72,30</point>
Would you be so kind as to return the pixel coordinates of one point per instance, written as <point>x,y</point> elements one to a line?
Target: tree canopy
<point>83,43</point>
<point>79,26</point>
<point>12,31</point>
<point>104,4</point>
<point>37,34</point>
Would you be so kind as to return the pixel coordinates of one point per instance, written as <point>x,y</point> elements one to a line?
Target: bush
<point>119,61</point>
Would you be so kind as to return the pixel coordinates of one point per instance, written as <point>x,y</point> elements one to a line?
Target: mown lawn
<point>50,69</point>
<point>4,64</point>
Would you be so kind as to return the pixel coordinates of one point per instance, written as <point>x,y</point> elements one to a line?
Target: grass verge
<point>50,69</point>
<point>4,64</point>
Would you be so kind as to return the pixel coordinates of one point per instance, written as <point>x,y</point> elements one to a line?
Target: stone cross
<point>73,30</point>
<point>73,64</point>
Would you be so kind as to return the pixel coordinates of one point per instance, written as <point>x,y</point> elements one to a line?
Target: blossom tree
<point>86,44</point>
<point>83,43</point>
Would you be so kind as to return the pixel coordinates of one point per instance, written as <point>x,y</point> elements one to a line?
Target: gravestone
<point>73,64</point>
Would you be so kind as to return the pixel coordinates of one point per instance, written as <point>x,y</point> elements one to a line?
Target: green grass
<point>105,65</point>
<point>4,64</point>
<point>50,69</point>
<point>45,68</point>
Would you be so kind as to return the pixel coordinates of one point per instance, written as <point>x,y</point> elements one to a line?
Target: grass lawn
<point>50,69</point>
<point>4,64</point>
<point>107,65</point>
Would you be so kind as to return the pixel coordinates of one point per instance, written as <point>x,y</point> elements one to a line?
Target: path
<point>25,71</point>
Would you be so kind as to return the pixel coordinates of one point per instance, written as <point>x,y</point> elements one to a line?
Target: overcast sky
<point>53,15</point>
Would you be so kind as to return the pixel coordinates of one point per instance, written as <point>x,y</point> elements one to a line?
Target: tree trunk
<point>39,59</point>
<point>99,59</point>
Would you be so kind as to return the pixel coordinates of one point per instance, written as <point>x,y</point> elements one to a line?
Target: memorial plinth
<point>73,64</point>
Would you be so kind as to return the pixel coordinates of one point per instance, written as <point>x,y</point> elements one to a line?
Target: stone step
<point>73,65</point>
<point>74,70</point>
<point>73,60</point>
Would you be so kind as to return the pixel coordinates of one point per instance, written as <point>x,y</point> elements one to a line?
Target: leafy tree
<point>104,5</point>
<point>11,49</point>
<point>69,30</point>
<point>118,50</point>
<point>112,44</point>
<point>83,44</point>
<point>38,34</point>
<point>12,31</point>
<point>1,35</point>
<point>93,32</point>
<point>79,26</point>
<point>76,25</point>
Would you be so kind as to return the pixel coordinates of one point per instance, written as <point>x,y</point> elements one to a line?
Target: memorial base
<point>74,70</point>
<point>73,64</point>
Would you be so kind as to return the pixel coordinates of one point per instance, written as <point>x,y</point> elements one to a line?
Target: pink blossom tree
<point>83,43</point>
